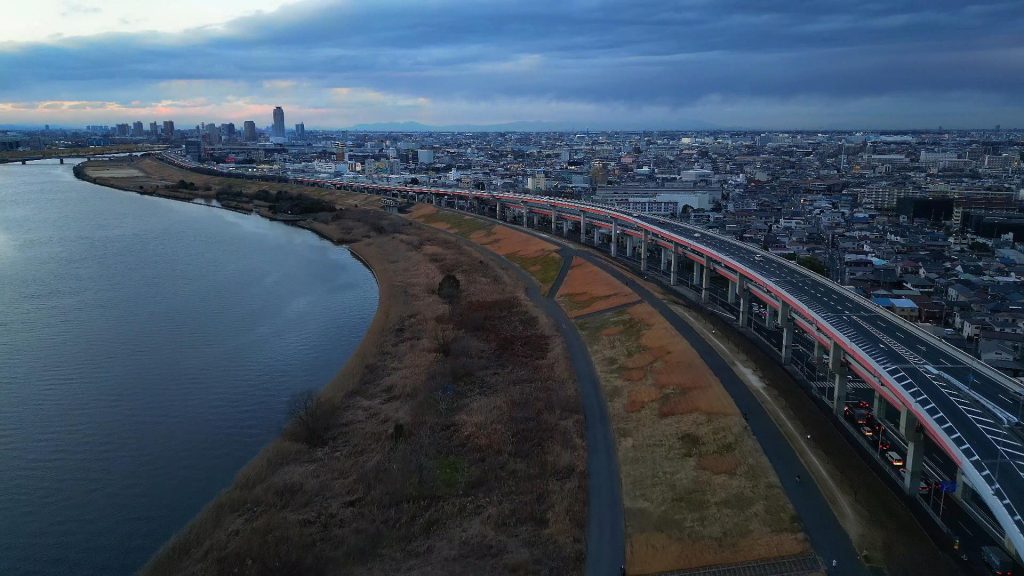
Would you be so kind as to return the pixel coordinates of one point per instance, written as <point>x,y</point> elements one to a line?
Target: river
<point>148,350</point>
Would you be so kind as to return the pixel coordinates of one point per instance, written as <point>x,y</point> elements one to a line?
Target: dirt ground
<point>539,258</point>
<point>451,442</point>
<point>877,521</point>
<point>697,489</point>
<point>126,176</point>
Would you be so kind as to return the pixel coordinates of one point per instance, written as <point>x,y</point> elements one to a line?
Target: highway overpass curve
<point>895,354</point>
<point>892,350</point>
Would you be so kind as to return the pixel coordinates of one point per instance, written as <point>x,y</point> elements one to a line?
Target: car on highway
<point>867,431</point>
<point>894,458</point>
<point>858,416</point>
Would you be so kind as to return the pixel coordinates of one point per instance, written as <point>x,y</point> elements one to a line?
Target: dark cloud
<point>670,54</point>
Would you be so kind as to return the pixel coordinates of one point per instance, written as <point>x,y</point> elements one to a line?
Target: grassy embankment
<point>878,522</point>
<point>537,257</point>
<point>697,489</point>
<point>451,442</point>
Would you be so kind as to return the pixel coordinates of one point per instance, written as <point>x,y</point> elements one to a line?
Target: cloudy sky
<point>575,63</point>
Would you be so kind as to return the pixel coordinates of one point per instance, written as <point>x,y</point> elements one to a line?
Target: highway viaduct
<point>943,400</point>
<point>966,409</point>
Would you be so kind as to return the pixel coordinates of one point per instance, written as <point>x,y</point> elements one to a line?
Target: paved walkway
<point>605,531</point>
<point>826,535</point>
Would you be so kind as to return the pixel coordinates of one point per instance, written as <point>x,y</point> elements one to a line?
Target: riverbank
<point>451,440</point>
<point>82,152</point>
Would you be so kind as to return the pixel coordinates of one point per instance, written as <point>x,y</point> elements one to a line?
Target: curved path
<point>827,536</point>
<point>605,531</point>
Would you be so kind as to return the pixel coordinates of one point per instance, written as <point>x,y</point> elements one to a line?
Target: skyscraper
<point>137,129</point>
<point>278,131</point>
<point>168,130</point>
<point>300,131</point>
<point>249,131</point>
<point>212,134</point>
<point>227,131</point>
<point>153,130</point>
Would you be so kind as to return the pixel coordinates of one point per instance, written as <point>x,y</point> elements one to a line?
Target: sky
<point>641,64</point>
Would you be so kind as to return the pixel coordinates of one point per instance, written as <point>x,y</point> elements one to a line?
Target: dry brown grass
<point>696,487</point>
<point>877,521</point>
<point>456,439</point>
<point>539,258</point>
<point>588,289</point>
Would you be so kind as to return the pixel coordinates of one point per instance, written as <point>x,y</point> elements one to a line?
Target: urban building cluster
<point>925,223</point>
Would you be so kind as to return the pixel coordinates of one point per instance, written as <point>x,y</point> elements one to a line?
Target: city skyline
<point>579,65</point>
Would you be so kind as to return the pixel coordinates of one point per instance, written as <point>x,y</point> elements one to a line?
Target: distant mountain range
<point>420,127</point>
<point>522,126</point>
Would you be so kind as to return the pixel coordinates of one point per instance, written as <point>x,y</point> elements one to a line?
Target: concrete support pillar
<point>583,227</point>
<point>819,354</point>
<point>643,251</point>
<point>835,364</point>
<point>769,317</point>
<point>696,273</point>
<point>554,220</point>
<point>664,259</point>
<point>615,238</point>
<point>525,216</point>
<point>786,320</point>
<point>915,451</point>
<point>629,246</point>
<point>963,489</point>
<point>497,212</point>
<point>879,406</point>
<point>705,285</point>
<point>597,236</point>
<point>731,293</point>
<point>674,267</point>
<point>565,228</point>
<point>744,295</point>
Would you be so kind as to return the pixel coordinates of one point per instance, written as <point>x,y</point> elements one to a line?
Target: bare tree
<point>310,418</point>
<point>450,290</point>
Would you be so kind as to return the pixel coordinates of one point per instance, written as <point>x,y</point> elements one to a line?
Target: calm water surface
<point>148,349</point>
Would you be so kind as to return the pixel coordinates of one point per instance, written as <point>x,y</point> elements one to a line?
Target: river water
<point>148,350</point>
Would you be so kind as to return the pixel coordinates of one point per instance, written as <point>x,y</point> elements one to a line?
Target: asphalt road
<point>902,354</point>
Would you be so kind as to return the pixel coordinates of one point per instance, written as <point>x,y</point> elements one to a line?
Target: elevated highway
<point>969,410</point>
